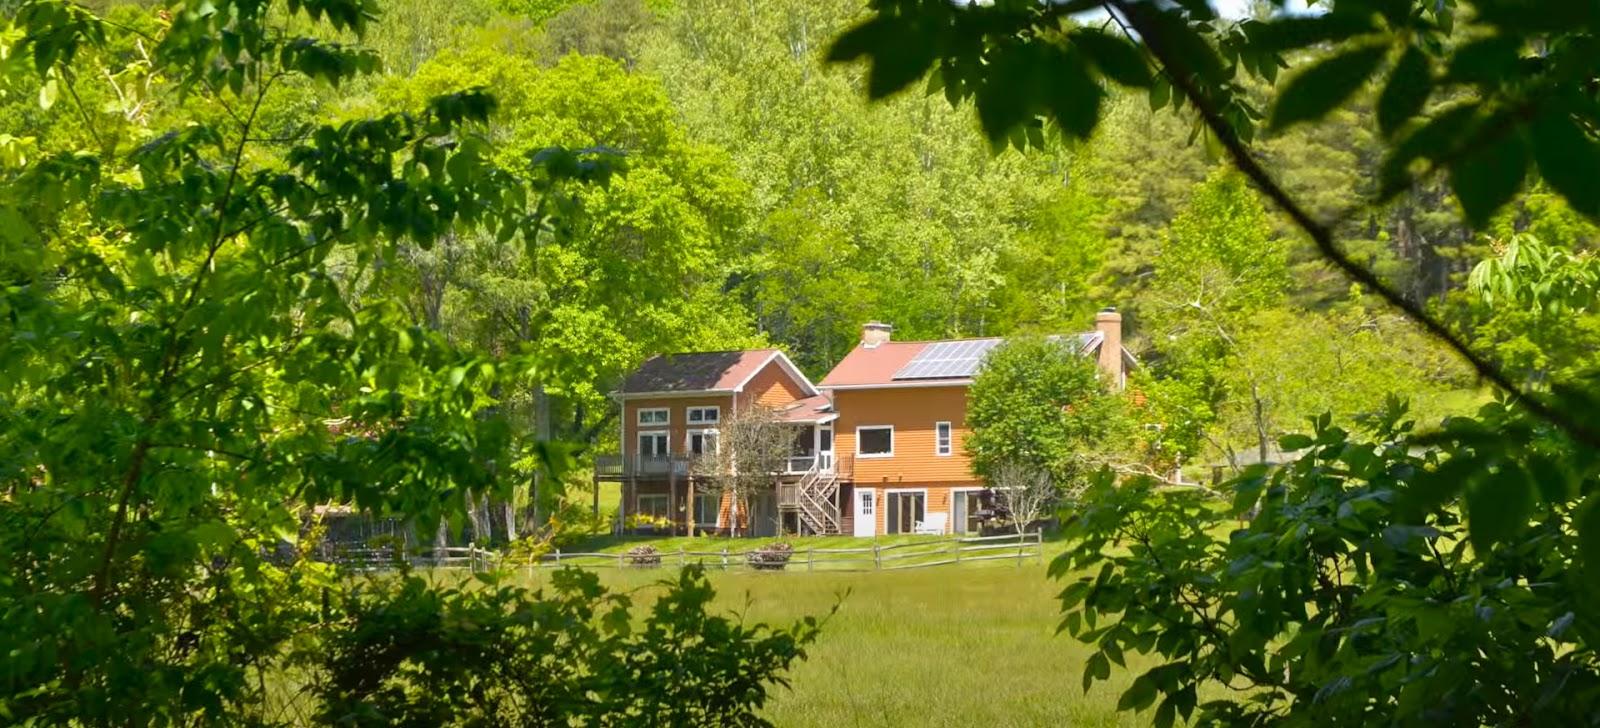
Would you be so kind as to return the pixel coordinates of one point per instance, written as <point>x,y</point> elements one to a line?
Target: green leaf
<point>1588,520</point>
<point>1430,488</point>
<point>1247,488</point>
<point>1489,176</point>
<point>1097,668</point>
<point>1313,93</point>
<point>1160,94</point>
<point>48,93</point>
<point>1291,443</point>
<point>1407,91</point>
<point>1433,140</point>
<point>1166,714</point>
<point>1486,60</point>
<point>1498,506</point>
<point>212,534</point>
<point>1139,695</point>
<point>1291,32</point>
<point>1073,96</point>
<point>1550,479</point>
<point>901,53</point>
<point>1116,57</point>
<point>1568,159</point>
<point>1007,93</point>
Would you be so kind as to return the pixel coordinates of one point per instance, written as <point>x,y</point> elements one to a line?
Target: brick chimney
<point>874,333</point>
<point>1109,323</point>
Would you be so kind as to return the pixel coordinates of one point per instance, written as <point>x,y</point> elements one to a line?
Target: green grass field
<point>944,646</point>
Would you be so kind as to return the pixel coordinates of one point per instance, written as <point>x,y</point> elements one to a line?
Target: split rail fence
<point>877,557</point>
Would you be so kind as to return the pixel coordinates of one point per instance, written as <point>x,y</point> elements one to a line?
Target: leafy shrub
<point>645,521</point>
<point>643,556</point>
<point>406,653</point>
<point>1354,597</point>
<point>771,557</point>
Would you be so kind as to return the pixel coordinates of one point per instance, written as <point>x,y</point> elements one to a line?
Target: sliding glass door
<point>904,509</point>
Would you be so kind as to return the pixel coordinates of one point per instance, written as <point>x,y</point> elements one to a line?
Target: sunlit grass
<point>943,646</point>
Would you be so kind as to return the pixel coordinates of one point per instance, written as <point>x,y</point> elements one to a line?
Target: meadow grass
<point>945,646</point>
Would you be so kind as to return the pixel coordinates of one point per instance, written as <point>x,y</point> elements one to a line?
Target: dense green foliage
<point>1041,403</point>
<point>1355,595</point>
<point>407,652</point>
<point>1352,597</point>
<point>205,334</point>
<point>259,256</point>
<point>783,208</point>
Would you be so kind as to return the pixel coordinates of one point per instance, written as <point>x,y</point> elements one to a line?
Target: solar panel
<point>947,359</point>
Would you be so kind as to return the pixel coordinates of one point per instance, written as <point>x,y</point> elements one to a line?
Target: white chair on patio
<point>934,524</point>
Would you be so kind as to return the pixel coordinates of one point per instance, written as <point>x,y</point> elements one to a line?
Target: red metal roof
<point>702,371</point>
<point>875,365</point>
<point>811,409</point>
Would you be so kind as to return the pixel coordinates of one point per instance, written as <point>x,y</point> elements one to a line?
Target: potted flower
<point>643,556</point>
<point>771,557</point>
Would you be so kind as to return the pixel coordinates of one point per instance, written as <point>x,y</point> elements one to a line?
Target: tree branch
<point>169,367</point>
<point>1321,236</point>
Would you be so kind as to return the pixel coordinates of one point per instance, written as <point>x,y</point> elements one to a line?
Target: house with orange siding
<point>879,441</point>
<point>671,409</point>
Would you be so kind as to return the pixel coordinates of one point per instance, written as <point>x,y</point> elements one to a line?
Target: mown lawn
<point>942,646</point>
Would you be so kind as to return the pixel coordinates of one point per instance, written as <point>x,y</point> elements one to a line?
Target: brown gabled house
<point>878,446</point>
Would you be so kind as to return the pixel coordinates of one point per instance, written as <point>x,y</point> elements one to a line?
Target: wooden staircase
<point>817,498</point>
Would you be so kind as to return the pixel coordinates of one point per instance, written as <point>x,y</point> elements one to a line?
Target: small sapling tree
<point>1026,492</point>
<point>751,448</point>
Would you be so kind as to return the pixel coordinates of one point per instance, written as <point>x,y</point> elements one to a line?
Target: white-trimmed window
<point>707,509</point>
<point>703,415</point>
<point>654,505</point>
<point>875,441</point>
<point>654,415</point>
<point>653,443</point>
<point>943,440</point>
<point>700,442</point>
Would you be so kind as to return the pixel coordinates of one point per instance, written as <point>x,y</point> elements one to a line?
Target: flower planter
<point>643,556</point>
<point>771,557</point>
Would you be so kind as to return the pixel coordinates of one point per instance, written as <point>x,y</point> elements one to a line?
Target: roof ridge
<point>716,351</point>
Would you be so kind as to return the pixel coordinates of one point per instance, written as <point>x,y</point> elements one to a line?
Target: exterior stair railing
<point>817,498</point>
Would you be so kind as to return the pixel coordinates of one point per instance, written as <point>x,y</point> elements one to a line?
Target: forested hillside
<point>273,268</point>
<point>758,197</point>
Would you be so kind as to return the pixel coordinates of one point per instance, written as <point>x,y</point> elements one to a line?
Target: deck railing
<point>615,466</point>
<point>643,465</point>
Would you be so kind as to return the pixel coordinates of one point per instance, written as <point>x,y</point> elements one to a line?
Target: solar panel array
<point>947,359</point>
<point>960,359</point>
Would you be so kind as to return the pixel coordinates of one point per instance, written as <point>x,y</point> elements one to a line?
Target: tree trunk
<point>441,539</point>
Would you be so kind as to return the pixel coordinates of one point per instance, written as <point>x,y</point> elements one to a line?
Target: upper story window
<point>653,444</point>
<point>654,416</point>
<point>701,442</point>
<point>942,439</point>
<point>704,415</point>
<point>875,441</point>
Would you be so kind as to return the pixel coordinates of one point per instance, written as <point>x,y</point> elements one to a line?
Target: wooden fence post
<point>558,557</point>
<point>724,558</point>
<point>472,557</point>
<point>877,557</point>
<point>682,560</point>
<point>809,558</point>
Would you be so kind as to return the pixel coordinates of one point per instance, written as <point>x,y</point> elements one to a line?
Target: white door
<point>866,511</point>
